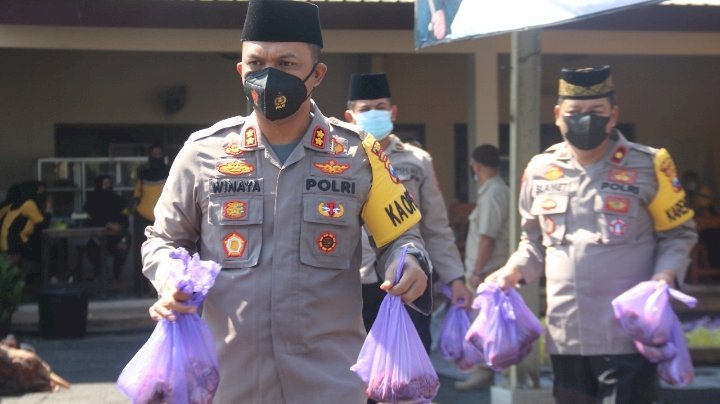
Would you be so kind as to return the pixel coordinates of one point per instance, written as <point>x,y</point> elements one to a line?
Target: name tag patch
<point>227,185</point>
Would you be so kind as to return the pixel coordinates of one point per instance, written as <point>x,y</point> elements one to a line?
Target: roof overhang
<point>335,15</point>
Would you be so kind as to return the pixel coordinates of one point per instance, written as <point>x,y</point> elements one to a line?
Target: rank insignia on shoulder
<point>327,242</point>
<point>622,176</point>
<point>235,167</point>
<point>331,167</point>
<point>232,148</point>
<point>235,210</point>
<point>331,209</point>
<point>554,172</point>
<point>251,137</point>
<point>234,244</point>
<point>319,138</point>
<point>619,154</point>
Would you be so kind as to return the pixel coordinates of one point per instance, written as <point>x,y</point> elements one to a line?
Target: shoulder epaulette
<point>347,126</point>
<point>554,148</point>
<point>642,148</point>
<point>224,124</point>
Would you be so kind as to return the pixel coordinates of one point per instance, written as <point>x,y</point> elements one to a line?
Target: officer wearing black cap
<point>600,214</point>
<point>370,107</point>
<point>278,199</point>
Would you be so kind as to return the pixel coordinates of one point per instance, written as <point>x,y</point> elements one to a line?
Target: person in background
<point>371,108</point>
<point>30,211</point>
<point>148,187</point>
<point>105,208</point>
<point>600,214</point>
<point>278,199</point>
<point>487,244</point>
<point>700,197</point>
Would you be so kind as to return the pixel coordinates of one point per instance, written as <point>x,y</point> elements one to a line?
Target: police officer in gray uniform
<point>370,107</point>
<point>278,199</point>
<point>599,215</point>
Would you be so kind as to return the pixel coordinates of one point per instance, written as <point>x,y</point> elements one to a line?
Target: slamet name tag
<point>389,210</point>
<point>668,208</point>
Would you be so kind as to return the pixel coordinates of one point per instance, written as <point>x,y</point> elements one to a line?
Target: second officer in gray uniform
<point>371,108</point>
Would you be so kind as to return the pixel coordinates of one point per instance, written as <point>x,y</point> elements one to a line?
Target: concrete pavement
<point>117,329</point>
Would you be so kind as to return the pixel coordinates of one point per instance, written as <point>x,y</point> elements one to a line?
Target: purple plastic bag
<point>504,329</point>
<point>452,342</point>
<point>679,370</point>
<point>178,363</point>
<point>645,312</point>
<point>393,362</point>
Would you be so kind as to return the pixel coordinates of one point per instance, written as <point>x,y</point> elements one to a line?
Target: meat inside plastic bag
<point>393,362</point>
<point>178,363</point>
<point>505,328</point>
<point>679,370</point>
<point>451,340</point>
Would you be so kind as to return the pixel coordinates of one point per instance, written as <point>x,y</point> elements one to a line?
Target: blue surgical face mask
<point>375,122</point>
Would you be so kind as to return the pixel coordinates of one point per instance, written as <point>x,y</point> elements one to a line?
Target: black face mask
<point>586,131</point>
<point>274,93</point>
<point>156,162</point>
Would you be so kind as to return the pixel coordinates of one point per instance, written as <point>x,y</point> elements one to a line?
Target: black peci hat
<point>282,21</point>
<point>370,86</point>
<point>586,83</point>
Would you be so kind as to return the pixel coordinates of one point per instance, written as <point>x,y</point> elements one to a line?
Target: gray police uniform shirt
<point>591,230</point>
<point>489,218</point>
<point>285,310</point>
<point>414,167</point>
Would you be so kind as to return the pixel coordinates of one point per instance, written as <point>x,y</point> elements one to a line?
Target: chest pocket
<point>239,220</point>
<point>329,230</point>
<point>551,211</point>
<point>617,217</point>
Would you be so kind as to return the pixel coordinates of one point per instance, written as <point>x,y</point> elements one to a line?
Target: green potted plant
<point>12,284</point>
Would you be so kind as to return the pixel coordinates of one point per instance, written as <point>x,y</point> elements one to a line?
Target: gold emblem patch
<point>234,245</point>
<point>236,167</point>
<point>331,209</point>
<point>554,172</point>
<point>622,176</point>
<point>548,204</point>
<point>331,167</point>
<point>280,102</point>
<point>232,149</point>
<point>339,145</point>
<point>617,204</point>
<point>235,210</point>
